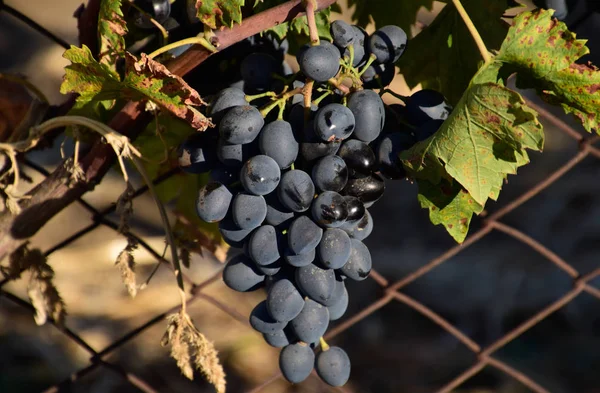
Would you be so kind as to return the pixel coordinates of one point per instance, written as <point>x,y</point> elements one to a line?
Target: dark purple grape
<point>359,157</point>
<point>388,43</point>
<point>368,189</point>
<point>334,122</point>
<point>330,209</point>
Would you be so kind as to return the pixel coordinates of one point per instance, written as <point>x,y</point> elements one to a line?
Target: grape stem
<point>311,6</point>
<point>279,102</point>
<point>324,95</point>
<point>371,60</point>
<point>398,96</point>
<point>324,345</point>
<point>307,93</point>
<point>251,98</point>
<point>473,30</point>
<point>188,41</point>
<point>338,85</point>
<point>163,31</point>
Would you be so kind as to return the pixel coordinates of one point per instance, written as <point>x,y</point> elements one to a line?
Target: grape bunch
<point>291,185</point>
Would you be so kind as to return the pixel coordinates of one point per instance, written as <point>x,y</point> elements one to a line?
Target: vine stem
<point>473,30</point>
<point>168,231</point>
<point>187,41</point>
<point>311,6</point>
<point>118,142</point>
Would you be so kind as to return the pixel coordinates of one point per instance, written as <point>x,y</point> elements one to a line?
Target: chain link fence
<point>391,291</point>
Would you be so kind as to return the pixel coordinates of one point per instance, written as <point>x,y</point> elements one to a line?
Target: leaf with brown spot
<point>216,13</point>
<point>144,79</point>
<point>111,33</point>
<point>485,138</point>
<point>542,51</point>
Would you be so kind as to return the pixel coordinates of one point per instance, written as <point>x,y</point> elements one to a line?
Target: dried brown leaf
<point>43,294</point>
<point>20,260</point>
<point>166,89</point>
<point>191,349</point>
<point>184,256</point>
<point>125,208</point>
<point>126,264</point>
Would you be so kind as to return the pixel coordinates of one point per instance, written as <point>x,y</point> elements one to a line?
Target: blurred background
<point>485,290</point>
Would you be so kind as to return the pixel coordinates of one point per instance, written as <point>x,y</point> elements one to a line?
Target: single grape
<point>368,189</point>
<point>260,175</point>
<point>358,156</point>
<point>330,209</point>
<point>359,264</point>
<point>330,174</point>
<point>356,210</point>
<point>296,190</point>
<point>311,151</point>
<point>426,105</point>
<point>271,269</point>
<point>320,63</point>
<point>232,234</point>
<point>342,33</point>
<point>387,153</point>
<point>197,153</point>
<point>277,214</point>
<point>334,122</point>
<point>428,129</point>
<point>304,235</point>
<point>299,260</point>
<point>388,43</point>
<point>339,307</point>
<point>277,141</point>
<point>263,245</point>
<point>284,302</point>
<point>241,125</point>
<point>334,248</point>
<point>333,366</point>
<point>225,100</point>
<point>262,322</point>
<point>159,10</point>
<point>280,338</point>
<point>240,274</point>
<point>316,283</point>
<point>257,71</point>
<point>230,155</point>
<point>361,229</point>
<point>248,211</point>
<point>213,202</point>
<point>369,114</point>
<point>312,322</point>
<point>296,362</point>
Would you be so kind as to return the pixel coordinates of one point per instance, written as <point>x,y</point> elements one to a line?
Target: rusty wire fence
<point>391,291</point>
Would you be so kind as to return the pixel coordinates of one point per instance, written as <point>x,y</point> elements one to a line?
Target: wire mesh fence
<point>391,291</point>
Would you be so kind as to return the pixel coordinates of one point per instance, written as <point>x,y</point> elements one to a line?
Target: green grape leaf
<point>111,32</point>
<point>444,56</point>
<point>388,12</point>
<point>216,13</point>
<point>483,140</point>
<point>449,205</point>
<point>543,53</point>
<point>144,79</point>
